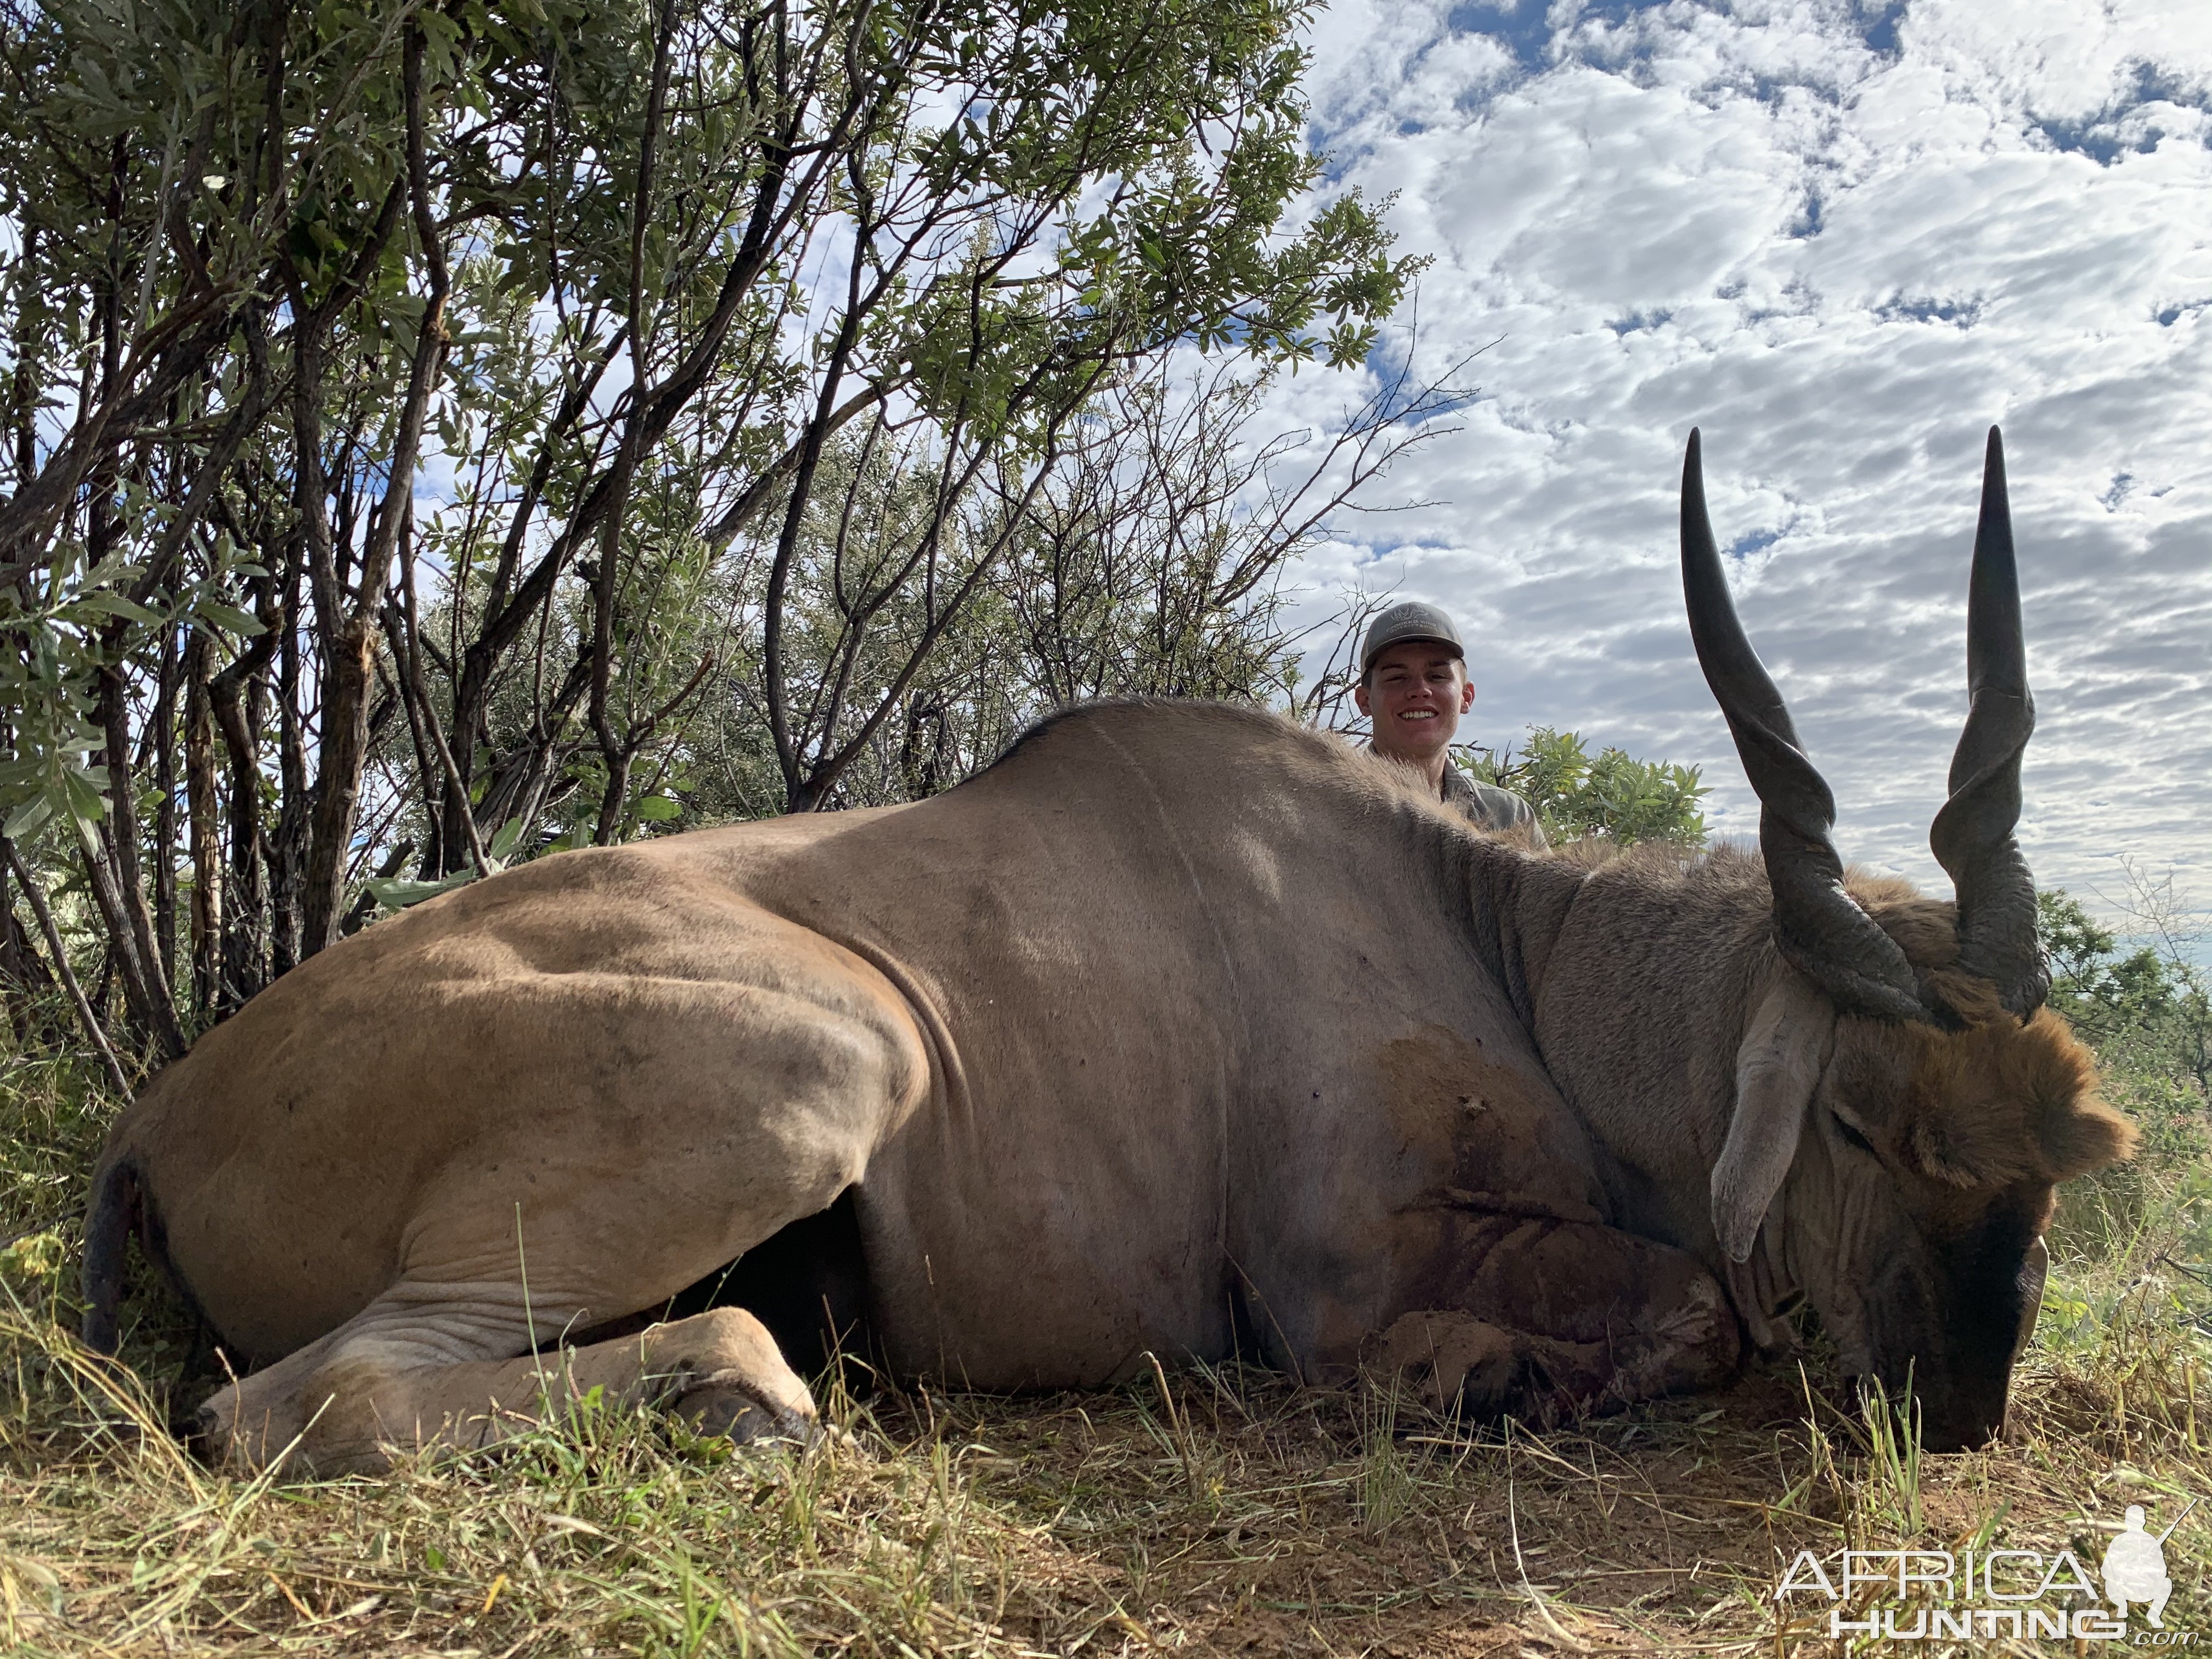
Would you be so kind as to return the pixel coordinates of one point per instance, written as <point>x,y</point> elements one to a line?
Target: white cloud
<point>1844,247</point>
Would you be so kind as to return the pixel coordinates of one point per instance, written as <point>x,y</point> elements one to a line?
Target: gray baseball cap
<point>1410,621</point>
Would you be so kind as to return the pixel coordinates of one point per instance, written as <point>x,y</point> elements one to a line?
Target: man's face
<point>1414,695</point>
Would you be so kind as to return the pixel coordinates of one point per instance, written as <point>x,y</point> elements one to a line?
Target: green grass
<point>1193,1512</point>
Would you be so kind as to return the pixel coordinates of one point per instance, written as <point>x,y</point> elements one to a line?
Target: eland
<point>1179,1031</point>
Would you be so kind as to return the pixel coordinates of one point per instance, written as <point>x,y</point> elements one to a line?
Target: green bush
<point>1611,794</point>
<point>2145,1011</point>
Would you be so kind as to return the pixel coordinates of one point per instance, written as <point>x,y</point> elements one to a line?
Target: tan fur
<point>1926,929</point>
<point>2000,1102</point>
<point>1179,1016</point>
<point>1179,1022</point>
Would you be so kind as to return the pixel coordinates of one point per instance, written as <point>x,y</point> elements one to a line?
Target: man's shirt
<point>1487,806</point>
<point>1492,808</point>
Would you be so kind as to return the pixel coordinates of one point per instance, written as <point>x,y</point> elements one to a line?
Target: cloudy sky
<point>1843,238</point>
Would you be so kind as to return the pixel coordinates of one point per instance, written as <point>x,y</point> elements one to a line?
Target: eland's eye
<point>1851,1134</point>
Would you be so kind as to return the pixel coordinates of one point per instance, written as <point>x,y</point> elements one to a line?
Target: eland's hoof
<point>721,1404</point>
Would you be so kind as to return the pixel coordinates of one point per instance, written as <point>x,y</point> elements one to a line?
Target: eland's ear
<point>1785,1048</point>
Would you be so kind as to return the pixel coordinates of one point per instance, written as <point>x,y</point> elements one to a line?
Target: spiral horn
<point>1972,834</point>
<point>1818,927</point>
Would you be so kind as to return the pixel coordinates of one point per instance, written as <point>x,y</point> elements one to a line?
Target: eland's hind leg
<point>614,1171</point>
<point>348,1407</point>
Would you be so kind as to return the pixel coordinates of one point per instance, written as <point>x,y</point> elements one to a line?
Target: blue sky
<point>1843,238</point>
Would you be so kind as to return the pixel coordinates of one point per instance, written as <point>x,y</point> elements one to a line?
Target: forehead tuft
<point>1997,1101</point>
<point>2000,1102</point>
<point>1926,929</point>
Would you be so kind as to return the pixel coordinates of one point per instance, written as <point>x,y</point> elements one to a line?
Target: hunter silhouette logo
<point>2135,1566</point>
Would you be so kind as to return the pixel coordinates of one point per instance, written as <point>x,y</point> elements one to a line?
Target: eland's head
<point>1906,1104</point>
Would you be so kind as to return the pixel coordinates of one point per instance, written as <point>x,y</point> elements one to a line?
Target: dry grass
<point>1194,1512</point>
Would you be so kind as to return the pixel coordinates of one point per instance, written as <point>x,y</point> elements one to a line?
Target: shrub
<point>1611,794</point>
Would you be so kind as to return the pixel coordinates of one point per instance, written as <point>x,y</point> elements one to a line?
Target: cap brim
<point>1452,646</point>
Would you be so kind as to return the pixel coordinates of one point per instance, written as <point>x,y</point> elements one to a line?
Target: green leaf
<point>243,623</point>
<point>82,799</point>
<point>29,818</point>
<point>397,892</point>
<point>114,605</point>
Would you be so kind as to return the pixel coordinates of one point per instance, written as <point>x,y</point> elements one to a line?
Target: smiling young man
<point>1414,688</point>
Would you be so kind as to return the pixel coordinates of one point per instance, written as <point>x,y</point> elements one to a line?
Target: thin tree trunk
<point>244,958</point>
<point>24,979</point>
<point>610,803</point>
<point>121,898</point>
<point>350,639</point>
<point>288,850</point>
<point>24,382</point>
<point>349,663</point>
<point>200,814</point>
<point>165,813</point>
<point>238,697</point>
<point>86,1017</point>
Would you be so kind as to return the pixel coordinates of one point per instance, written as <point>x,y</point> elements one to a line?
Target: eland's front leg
<point>1538,1314</point>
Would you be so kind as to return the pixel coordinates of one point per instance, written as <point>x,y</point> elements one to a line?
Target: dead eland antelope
<point>1181,1031</point>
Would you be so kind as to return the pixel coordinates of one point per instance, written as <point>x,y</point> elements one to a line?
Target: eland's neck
<point>1633,978</point>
